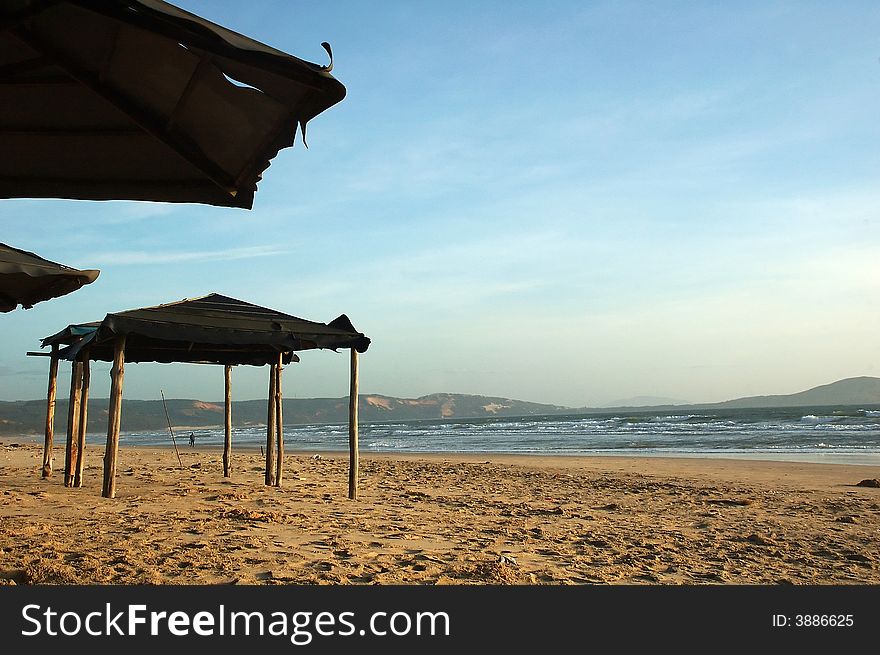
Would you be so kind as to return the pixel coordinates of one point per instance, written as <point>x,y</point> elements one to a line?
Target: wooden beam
<point>50,413</point>
<point>83,420</point>
<point>227,439</point>
<point>279,424</point>
<point>117,376</point>
<point>353,428</point>
<point>270,430</point>
<point>72,422</point>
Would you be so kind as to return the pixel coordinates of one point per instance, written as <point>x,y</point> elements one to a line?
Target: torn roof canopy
<point>26,278</point>
<point>140,100</point>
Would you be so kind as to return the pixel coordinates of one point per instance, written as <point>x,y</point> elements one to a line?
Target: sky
<point>562,202</point>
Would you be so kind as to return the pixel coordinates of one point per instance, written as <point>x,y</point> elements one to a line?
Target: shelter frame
<point>254,335</point>
<point>78,412</point>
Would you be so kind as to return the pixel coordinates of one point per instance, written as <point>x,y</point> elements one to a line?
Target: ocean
<point>817,434</point>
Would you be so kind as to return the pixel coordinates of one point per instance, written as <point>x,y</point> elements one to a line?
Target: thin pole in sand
<point>279,424</point>
<point>227,422</point>
<point>169,428</point>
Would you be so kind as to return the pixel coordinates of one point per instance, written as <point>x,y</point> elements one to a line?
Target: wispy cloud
<point>140,257</point>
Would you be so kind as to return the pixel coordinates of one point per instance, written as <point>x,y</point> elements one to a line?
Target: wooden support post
<point>279,424</point>
<point>270,430</point>
<point>353,428</point>
<point>117,375</point>
<point>227,440</point>
<point>50,412</point>
<point>72,422</point>
<point>83,420</point>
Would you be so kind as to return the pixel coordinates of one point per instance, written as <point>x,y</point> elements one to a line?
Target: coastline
<point>441,518</point>
<point>866,459</point>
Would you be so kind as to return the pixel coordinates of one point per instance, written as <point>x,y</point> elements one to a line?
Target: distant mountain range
<point>28,416</point>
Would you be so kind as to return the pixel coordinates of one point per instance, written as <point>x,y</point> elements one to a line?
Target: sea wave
<point>819,430</point>
<point>680,418</point>
<point>812,418</point>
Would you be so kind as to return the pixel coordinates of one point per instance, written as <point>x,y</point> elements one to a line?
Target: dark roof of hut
<point>26,278</point>
<point>141,100</point>
<point>212,329</point>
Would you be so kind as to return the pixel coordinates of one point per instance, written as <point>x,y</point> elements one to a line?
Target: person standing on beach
<point>192,440</point>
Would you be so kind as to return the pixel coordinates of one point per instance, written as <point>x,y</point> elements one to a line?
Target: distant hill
<point>28,416</point>
<point>851,391</point>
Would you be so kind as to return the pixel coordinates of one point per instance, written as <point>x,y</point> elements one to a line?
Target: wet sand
<point>437,519</point>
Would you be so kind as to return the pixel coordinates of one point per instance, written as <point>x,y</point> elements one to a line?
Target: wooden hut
<point>213,329</point>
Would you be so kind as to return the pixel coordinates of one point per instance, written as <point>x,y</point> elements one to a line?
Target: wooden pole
<point>72,421</point>
<point>83,420</point>
<point>50,412</point>
<point>279,424</point>
<point>227,440</point>
<point>117,376</point>
<point>353,428</point>
<point>270,430</point>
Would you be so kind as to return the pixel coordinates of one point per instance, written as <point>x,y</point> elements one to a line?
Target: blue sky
<point>566,202</point>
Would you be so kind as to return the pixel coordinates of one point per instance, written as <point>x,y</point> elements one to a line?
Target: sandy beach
<point>450,519</point>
